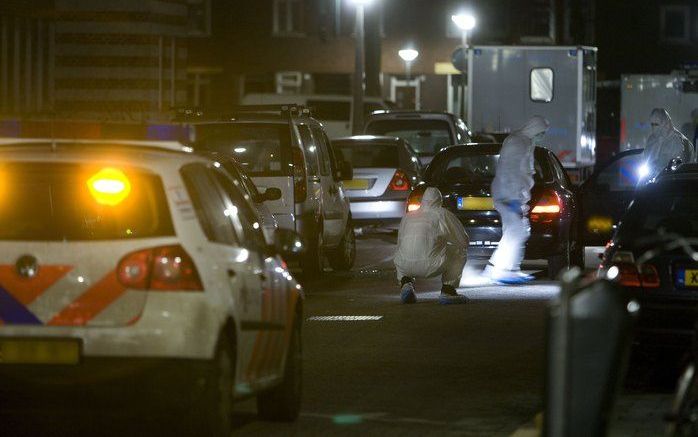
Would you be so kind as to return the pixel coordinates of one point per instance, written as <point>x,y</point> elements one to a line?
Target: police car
<point>122,258</point>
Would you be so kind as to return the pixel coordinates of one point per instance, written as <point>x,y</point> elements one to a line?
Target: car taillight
<point>399,182</point>
<point>165,268</point>
<point>300,189</point>
<point>629,275</point>
<point>649,276</point>
<point>414,201</point>
<point>547,208</point>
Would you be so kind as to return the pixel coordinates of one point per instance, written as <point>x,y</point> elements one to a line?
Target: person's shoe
<point>450,296</point>
<point>511,278</point>
<point>407,293</point>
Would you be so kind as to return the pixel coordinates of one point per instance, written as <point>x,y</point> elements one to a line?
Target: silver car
<point>385,170</point>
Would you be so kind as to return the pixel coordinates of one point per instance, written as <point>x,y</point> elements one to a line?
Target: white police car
<point>118,259</point>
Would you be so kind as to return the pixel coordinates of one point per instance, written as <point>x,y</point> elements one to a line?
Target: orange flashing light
<point>109,186</point>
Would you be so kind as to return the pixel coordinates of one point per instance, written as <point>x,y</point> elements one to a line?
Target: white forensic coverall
<point>431,241</point>
<point>664,144</point>
<point>511,192</point>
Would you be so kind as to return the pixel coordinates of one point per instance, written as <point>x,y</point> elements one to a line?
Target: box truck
<point>509,84</point>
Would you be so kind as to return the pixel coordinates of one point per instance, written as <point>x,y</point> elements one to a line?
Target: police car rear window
<point>69,202</point>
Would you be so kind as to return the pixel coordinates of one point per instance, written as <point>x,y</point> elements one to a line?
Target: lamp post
<point>358,88</point>
<point>408,55</point>
<point>465,22</point>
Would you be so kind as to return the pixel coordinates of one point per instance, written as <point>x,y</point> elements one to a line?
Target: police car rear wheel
<point>283,402</point>
<point>214,411</point>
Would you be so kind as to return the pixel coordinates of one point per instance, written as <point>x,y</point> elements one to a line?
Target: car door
<point>606,195</point>
<point>335,205</point>
<point>239,270</point>
<point>270,321</point>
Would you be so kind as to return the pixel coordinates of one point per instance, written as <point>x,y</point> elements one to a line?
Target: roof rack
<point>281,111</point>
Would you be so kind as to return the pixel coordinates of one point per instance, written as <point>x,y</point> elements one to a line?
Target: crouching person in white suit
<point>431,242</point>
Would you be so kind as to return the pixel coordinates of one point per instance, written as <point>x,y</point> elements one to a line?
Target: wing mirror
<point>346,171</point>
<point>271,193</point>
<point>288,243</point>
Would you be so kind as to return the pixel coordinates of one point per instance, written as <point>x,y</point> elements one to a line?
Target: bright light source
<point>413,207</point>
<point>408,55</point>
<point>362,2</point>
<point>240,150</point>
<point>464,21</point>
<point>643,171</point>
<point>612,273</point>
<point>109,186</point>
<point>546,209</point>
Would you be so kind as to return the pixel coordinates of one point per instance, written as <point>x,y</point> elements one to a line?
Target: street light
<point>408,55</point>
<point>465,22</point>
<point>358,100</point>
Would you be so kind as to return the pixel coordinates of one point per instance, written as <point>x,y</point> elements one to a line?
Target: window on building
<point>288,17</point>
<point>674,25</point>
<point>542,85</point>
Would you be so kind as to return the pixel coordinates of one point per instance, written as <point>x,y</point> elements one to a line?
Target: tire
<point>342,258</point>
<point>312,262</point>
<point>214,408</point>
<point>283,402</point>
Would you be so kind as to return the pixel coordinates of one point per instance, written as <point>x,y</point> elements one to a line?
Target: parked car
<point>464,174</point>
<point>136,263</point>
<point>604,197</point>
<point>284,147</point>
<point>652,256</point>
<point>426,131</point>
<point>335,112</point>
<point>385,171</point>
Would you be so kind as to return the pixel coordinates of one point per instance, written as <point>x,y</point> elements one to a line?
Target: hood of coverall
<point>431,199</point>
<point>661,117</point>
<point>536,125</point>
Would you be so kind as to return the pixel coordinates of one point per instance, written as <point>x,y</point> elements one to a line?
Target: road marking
<point>343,318</point>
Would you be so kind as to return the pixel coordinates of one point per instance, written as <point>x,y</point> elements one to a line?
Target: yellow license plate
<point>33,351</point>
<point>356,184</point>
<point>691,278</point>
<point>475,203</point>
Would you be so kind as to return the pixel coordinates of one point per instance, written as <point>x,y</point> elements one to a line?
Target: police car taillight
<point>165,268</point>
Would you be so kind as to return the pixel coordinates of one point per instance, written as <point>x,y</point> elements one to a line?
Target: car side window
<point>209,206</point>
<point>310,149</point>
<point>241,181</point>
<point>462,131</point>
<point>324,144</point>
<point>621,174</point>
<point>243,215</point>
<point>560,172</point>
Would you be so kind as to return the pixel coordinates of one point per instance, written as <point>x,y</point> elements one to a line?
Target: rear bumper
<point>542,244</point>
<point>377,209</point>
<point>666,324</point>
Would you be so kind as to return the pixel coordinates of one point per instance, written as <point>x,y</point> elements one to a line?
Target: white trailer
<point>509,84</point>
<point>640,93</point>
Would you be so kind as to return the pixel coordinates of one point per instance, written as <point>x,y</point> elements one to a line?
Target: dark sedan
<point>651,256</point>
<point>464,174</point>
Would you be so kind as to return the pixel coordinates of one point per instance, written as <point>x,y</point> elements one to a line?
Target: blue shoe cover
<point>445,299</point>
<point>407,293</point>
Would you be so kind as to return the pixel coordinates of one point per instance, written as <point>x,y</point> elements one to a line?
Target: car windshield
<point>476,167</point>
<point>426,136</point>
<point>670,207</point>
<point>258,147</point>
<point>67,202</point>
<point>370,155</point>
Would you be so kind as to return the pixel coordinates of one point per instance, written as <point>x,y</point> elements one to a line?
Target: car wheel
<point>283,402</point>
<point>312,263</point>
<point>342,258</point>
<point>214,408</point>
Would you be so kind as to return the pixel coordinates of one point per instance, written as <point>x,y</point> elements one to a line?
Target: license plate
<point>356,184</point>
<point>475,203</point>
<point>688,278</point>
<point>43,351</point>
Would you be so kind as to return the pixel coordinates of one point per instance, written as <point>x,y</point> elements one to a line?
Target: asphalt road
<point>423,369</point>
<point>473,369</point>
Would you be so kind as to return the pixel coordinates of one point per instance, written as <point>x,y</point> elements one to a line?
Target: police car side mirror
<point>288,243</point>
<point>271,193</point>
<point>346,171</point>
